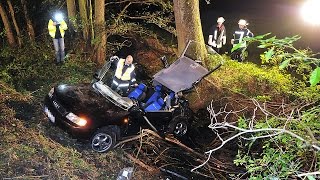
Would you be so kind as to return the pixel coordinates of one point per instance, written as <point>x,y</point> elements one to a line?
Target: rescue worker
<point>57,27</point>
<point>238,36</point>
<point>124,76</point>
<point>217,35</point>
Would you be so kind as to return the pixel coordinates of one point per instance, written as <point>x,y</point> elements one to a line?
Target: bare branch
<point>270,132</point>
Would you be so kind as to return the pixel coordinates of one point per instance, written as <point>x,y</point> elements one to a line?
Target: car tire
<point>103,139</point>
<point>178,126</point>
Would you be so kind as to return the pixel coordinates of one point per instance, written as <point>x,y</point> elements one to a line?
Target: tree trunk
<point>84,19</point>
<point>6,23</point>
<point>29,22</point>
<point>71,6</point>
<point>13,17</point>
<point>100,31</point>
<point>188,25</point>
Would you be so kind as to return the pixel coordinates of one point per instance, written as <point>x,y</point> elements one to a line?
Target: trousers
<point>59,49</point>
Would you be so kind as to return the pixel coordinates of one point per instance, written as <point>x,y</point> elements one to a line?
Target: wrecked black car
<point>96,112</point>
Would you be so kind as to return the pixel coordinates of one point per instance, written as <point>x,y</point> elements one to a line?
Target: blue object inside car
<point>155,102</point>
<point>138,93</point>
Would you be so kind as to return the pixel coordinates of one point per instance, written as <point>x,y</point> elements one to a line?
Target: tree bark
<point>72,10</point>
<point>13,17</point>
<point>28,20</point>
<point>188,25</point>
<point>6,23</point>
<point>84,18</point>
<point>71,6</point>
<point>100,31</point>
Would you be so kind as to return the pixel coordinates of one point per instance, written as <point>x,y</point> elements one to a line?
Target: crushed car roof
<point>181,75</point>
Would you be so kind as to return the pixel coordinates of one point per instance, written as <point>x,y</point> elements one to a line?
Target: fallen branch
<point>216,126</point>
<point>140,163</point>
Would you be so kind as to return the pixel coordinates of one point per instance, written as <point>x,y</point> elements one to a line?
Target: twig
<point>140,163</point>
<point>26,177</point>
<point>308,174</point>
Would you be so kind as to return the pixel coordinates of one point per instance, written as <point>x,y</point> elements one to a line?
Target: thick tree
<point>100,31</point>
<point>30,28</point>
<point>188,25</point>
<point>71,6</point>
<point>13,17</point>
<point>84,18</point>
<point>72,12</point>
<point>7,26</point>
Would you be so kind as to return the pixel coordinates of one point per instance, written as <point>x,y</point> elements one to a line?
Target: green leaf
<point>315,77</point>
<point>262,36</point>
<point>311,178</point>
<point>269,54</point>
<point>284,64</point>
<point>236,47</point>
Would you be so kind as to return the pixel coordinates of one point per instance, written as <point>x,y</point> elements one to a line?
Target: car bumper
<point>57,115</point>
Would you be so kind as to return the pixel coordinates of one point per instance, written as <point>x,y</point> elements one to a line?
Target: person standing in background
<point>57,27</point>
<point>238,36</point>
<point>217,36</point>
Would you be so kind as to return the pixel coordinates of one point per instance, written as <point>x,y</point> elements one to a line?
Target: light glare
<point>310,12</point>
<point>58,17</point>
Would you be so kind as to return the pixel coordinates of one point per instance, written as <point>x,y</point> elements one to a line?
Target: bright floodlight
<point>58,17</point>
<point>310,12</point>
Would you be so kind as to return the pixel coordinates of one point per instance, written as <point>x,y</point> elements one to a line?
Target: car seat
<point>155,105</point>
<point>139,93</point>
<point>155,101</point>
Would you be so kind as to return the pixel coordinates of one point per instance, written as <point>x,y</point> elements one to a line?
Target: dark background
<point>280,17</point>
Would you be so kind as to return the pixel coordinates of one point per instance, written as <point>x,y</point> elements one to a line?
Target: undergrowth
<point>31,148</point>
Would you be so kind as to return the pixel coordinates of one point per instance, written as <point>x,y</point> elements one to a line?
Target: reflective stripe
<point>215,34</point>
<point>115,82</point>
<point>133,80</point>
<point>123,85</point>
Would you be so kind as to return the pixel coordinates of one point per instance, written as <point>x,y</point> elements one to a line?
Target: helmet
<point>243,22</point>
<point>220,20</point>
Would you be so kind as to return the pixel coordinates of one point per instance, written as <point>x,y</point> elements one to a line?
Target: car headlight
<point>76,119</point>
<point>50,94</point>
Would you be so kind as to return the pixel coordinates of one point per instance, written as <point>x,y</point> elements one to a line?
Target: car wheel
<point>178,126</point>
<point>103,139</point>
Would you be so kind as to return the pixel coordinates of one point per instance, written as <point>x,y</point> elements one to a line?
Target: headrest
<point>142,87</point>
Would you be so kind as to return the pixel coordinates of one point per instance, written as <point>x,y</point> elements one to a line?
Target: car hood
<point>83,100</point>
<point>181,75</point>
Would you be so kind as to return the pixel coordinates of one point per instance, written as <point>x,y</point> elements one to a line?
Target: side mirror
<point>164,61</point>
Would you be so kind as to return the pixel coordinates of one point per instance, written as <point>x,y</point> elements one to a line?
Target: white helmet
<point>243,22</point>
<point>220,20</point>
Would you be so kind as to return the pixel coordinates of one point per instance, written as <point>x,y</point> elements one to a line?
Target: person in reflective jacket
<point>238,36</point>
<point>57,27</point>
<point>217,36</point>
<point>124,76</point>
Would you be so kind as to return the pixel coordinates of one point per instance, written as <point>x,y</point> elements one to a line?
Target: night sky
<point>281,17</point>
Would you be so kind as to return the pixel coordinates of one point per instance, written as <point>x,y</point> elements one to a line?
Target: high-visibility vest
<point>126,76</point>
<point>52,29</point>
